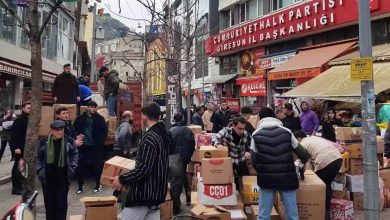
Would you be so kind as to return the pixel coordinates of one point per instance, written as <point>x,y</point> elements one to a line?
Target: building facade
<point>273,46</point>
<point>58,46</point>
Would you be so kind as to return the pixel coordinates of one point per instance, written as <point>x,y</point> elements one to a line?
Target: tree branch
<point>53,9</point>
<point>15,15</point>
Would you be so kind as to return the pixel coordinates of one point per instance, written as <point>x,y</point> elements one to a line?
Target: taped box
<point>100,208</point>
<point>348,135</point>
<point>209,152</point>
<point>115,167</point>
<point>217,171</point>
<point>217,194</point>
<point>249,190</point>
<point>217,212</point>
<point>341,209</point>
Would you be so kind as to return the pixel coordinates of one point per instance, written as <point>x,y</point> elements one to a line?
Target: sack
<point>7,124</point>
<point>175,165</point>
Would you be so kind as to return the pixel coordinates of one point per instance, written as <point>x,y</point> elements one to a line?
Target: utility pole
<point>371,185</point>
<point>93,52</point>
<point>188,58</point>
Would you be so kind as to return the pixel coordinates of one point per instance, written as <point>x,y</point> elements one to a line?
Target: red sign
<point>302,19</point>
<point>233,103</point>
<point>218,191</point>
<point>252,86</point>
<point>302,73</point>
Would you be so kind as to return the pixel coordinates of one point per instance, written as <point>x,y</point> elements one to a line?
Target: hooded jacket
<point>272,151</point>
<point>111,85</point>
<point>309,121</point>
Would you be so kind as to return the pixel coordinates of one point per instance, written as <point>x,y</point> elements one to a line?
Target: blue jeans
<point>111,105</point>
<point>266,202</point>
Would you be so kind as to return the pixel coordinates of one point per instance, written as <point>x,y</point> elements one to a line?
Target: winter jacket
<point>123,136</point>
<point>328,131</point>
<point>99,130</point>
<point>18,132</point>
<point>293,123</point>
<point>66,89</point>
<point>220,119</point>
<point>72,159</point>
<point>272,155</point>
<point>111,85</point>
<point>69,130</point>
<point>85,93</point>
<point>183,141</point>
<point>206,117</point>
<point>148,182</point>
<point>197,120</point>
<point>309,121</point>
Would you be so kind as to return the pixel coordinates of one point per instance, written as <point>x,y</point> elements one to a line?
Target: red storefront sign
<point>302,73</point>
<point>252,86</point>
<point>233,103</point>
<point>302,19</point>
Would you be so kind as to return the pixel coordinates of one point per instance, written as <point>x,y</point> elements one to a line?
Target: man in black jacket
<point>272,151</point>
<point>220,118</point>
<point>94,129</point>
<point>291,121</point>
<point>148,182</point>
<point>65,88</point>
<point>183,144</point>
<point>18,138</point>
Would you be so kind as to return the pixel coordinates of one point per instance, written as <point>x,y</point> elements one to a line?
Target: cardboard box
<point>195,201</point>
<point>355,150</point>
<point>385,175</point>
<point>237,214</point>
<point>196,129</point>
<point>104,112</point>
<point>112,125</point>
<point>341,195</point>
<point>217,171</point>
<point>341,209</point>
<point>76,217</point>
<point>47,117</point>
<point>217,194</point>
<point>209,152</point>
<point>206,213</point>
<point>100,208</point>
<point>203,139</point>
<point>114,167</point>
<point>255,213</point>
<point>356,167</point>
<point>249,190</point>
<point>355,183</point>
<point>72,109</point>
<point>309,207</point>
<point>357,198</point>
<point>348,135</point>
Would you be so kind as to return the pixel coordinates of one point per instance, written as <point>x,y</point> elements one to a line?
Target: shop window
<point>7,26</point>
<point>225,19</point>
<point>380,32</point>
<point>251,9</point>
<point>49,37</point>
<point>6,93</point>
<point>235,15</point>
<point>229,65</point>
<point>65,39</point>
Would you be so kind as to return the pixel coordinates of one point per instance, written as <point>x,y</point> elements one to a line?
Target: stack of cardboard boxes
<point>348,185</point>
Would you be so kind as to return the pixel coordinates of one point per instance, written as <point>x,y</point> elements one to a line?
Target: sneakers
<point>79,191</point>
<point>98,189</point>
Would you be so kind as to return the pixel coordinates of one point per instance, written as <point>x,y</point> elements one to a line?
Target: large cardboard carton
<point>217,171</point>
<point>249,190</point>
<point>47,117</point>
<point>357,198</point>
<point>114,167</point>
<point>72,109</point>
<point>385,175</point>
<point>206,213</point>
<point>217,194</point>
<point>355,167</point>
<point>348,135</point>
<point>100,208</point>
<point>209,152</point>
<point>345,195</point>
<point>355,183</point>
<point>341,209</point>
<point>112,125</point>
<point>104,112</point>
<point>309,207</point>
<point>195,201</point>
<point>203,139</point>
<point>355,150</point>
<point>196,129</point>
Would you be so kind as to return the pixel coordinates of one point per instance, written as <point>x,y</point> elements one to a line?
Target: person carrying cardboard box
<point>148,182</point>
<point>327,161</point>
<point>238,141</point>
<point>272,151</point>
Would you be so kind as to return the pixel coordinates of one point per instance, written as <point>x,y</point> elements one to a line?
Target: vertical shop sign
<point>171,98</point>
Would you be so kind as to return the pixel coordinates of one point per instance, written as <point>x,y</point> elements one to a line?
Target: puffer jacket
<point>111,85</point>
<point>272,154</point>
<point>72,159</point>
<point>182,141</point>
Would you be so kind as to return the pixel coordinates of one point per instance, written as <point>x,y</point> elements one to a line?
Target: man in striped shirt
<point>149,180</point>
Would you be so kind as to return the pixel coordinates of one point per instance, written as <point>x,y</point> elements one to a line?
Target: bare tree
<point>33,30</point>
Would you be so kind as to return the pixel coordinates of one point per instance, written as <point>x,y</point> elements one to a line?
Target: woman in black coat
<point>329,124</point>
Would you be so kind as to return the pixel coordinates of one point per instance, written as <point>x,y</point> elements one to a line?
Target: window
<point>242,15</point>
<point>260,8</point>
<point>225,19</point>
<point>229,65</point>
<point>50,36</point>
<point>7,25</point>
<point>24,41</point>
<point>251,9</point>
<point>65,38</point>
<point>235,15</point>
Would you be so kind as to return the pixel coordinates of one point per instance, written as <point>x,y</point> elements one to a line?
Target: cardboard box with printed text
<point>217,194</point>
<point>209,152</point>
<point>217,171</point>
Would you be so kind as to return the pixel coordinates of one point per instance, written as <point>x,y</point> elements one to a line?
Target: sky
<point>132,12</point>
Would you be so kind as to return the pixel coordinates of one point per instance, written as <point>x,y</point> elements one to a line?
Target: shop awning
<point>252,86</point>
<point>309,62</point>
<point>220,79</point>
<point>334,84</point>
<point>379,53</point>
